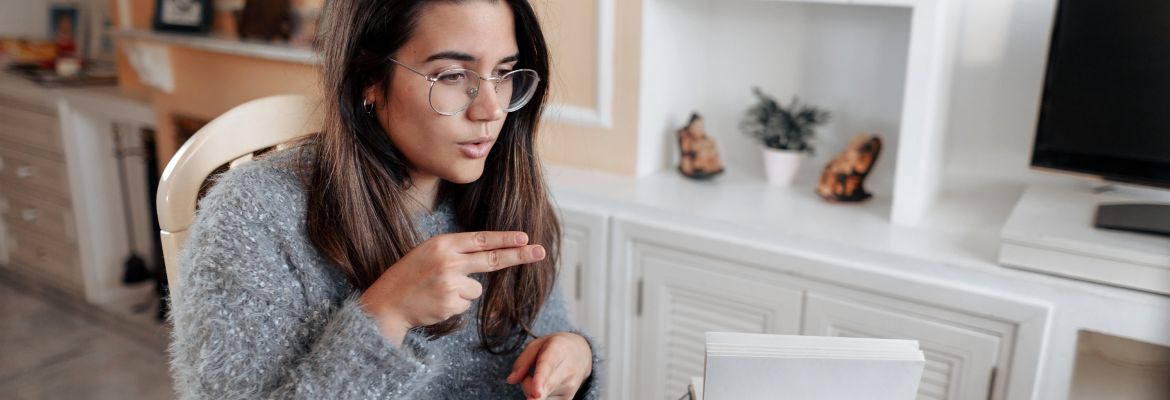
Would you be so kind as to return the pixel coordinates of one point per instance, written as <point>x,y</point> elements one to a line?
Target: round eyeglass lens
<point>516,88</point>
<point>454,90</point>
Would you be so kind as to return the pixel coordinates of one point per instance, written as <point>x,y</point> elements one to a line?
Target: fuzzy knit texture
<point>260,314</point>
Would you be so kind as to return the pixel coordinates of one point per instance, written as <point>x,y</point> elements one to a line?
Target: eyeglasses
<point>453,90</point>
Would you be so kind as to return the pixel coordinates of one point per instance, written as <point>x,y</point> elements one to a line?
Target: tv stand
<point>1138,217</point>
<point>1052,230</point>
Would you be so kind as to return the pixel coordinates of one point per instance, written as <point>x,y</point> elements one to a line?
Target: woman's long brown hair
<point>358,210</point>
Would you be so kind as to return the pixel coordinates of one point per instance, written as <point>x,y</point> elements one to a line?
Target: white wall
<point>847,59</point>
<point>706,55</point>
<point>30,18</point>
<point>999,72</point>
<point>855,66</point>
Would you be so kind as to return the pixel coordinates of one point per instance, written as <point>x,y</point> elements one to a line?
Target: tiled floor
<point>48,351</point>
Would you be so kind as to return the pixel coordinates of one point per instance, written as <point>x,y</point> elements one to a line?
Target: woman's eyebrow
<point>451,55</point>
<point>458,56</point>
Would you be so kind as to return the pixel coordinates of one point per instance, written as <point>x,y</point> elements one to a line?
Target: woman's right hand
<point>431,283</point>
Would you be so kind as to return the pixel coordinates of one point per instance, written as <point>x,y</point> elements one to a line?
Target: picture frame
<point>191,16</point>
<point>65,28</point>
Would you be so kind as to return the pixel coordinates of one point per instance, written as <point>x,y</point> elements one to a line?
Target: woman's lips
<point>476,148</point>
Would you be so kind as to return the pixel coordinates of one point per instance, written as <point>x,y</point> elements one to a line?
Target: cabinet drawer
<point>21,170</point>
<point>46,257</point>
<point>32,214</point>
<point>30,128</point>
<point>961,361</point>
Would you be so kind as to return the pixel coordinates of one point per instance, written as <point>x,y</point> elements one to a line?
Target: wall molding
<point>601,114</point>
<point>124,14</point>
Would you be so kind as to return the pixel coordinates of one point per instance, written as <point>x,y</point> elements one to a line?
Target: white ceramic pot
<point>781,165</point>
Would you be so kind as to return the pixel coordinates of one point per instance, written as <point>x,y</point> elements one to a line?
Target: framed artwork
<point>64,25</point>
<point>183,15</point>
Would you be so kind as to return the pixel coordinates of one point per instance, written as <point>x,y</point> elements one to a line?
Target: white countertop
<point>963,228</point>
<point>958,239</point>
<point>226,44</point>
<point>16,86</point>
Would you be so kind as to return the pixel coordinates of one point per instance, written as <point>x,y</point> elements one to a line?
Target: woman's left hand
<point>563,360</point>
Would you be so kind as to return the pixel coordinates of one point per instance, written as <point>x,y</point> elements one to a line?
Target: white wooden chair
<point>229,139</point>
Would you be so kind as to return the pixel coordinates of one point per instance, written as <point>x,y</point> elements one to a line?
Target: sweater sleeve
<point>252,318</point>
<point>554,317</point>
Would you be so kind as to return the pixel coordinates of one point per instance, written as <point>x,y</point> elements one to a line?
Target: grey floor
<point>48,351</point>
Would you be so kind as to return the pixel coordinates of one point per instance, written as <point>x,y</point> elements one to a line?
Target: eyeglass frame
<point>495,80</point>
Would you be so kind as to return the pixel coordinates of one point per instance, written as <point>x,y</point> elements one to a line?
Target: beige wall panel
<point>211,83</point>
<point>208,84</point>
<point>141,13</point>
<point>570,28</point>
<point>613,150</point>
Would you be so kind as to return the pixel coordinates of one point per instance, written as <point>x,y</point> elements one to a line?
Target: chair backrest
<point>229,139</point>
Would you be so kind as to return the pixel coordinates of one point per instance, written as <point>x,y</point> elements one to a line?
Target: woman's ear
<point>370,96</point>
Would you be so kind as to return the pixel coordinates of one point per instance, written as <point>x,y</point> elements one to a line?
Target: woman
<point>408,250</point>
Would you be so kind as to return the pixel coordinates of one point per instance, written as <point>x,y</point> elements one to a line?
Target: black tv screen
<point>1105,109</point>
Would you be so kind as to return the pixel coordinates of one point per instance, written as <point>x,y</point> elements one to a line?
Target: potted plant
<point>785,133</point>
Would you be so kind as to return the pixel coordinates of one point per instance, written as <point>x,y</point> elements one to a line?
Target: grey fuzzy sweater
<point>260,314</point>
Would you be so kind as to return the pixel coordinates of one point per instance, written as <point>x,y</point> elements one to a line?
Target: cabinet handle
<point>578,282</point>
<point>640,284</point>
<point>24,172</point>
<point>29,214</point>
<point>991,386</point>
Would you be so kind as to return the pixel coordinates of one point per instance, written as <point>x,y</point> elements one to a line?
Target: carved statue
<point>700,159</point>
<point>843,179</point>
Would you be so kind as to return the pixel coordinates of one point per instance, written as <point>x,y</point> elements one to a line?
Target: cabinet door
<point>960,361</point>
<point>569,274</point>
<point>681,303</point>
<point>582,268</point>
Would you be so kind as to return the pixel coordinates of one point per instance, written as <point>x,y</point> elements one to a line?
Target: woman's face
<point>478,36</point>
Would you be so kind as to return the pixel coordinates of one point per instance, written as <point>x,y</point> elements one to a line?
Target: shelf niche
<point>879,66</point>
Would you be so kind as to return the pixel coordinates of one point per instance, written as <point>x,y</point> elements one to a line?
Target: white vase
<point>781,165</point>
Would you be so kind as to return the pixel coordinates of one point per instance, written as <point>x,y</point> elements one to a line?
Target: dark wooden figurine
<point>843,179</point>
<point>700,159</point>
<point>265,20</point>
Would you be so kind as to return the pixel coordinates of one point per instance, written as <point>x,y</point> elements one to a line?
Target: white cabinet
<point>670,284</point>
<point>65,222</point>
<point>40,233</point>
<point>680,303</point>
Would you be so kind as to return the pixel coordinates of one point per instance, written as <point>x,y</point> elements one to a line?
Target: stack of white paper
<point>743,366</point>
